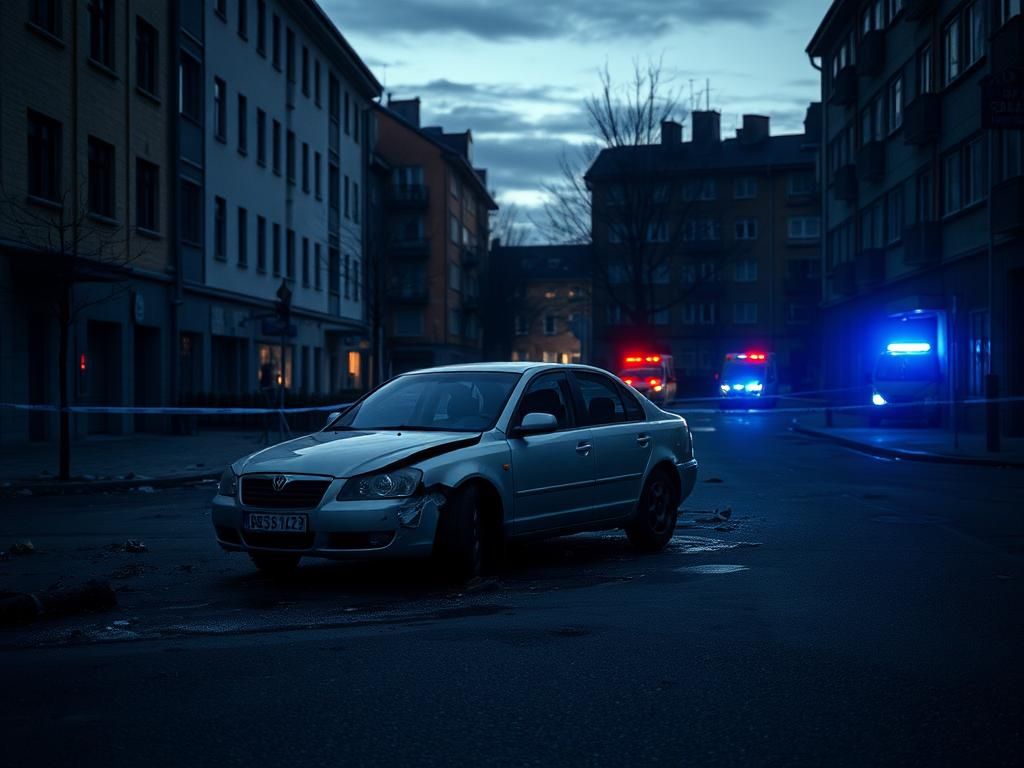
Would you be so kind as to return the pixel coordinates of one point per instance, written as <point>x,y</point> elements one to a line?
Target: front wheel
<point>458,544</point>
<point>655,520</point>
<point>274,563</point>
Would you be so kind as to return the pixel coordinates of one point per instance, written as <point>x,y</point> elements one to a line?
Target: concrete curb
<point>905,455</point>
<point>57,488</point>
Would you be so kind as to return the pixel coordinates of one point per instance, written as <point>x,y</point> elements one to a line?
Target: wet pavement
<point>846,610</point>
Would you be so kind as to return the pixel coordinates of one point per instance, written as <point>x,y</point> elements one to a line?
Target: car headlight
<point>738,387</point>
<point>399,484</point>
<point>228,483</point>
<point>755,386</point>
<point>877,399</point>
<point>725,387</point>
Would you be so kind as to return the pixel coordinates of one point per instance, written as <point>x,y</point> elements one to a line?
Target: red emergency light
<point>643,359</point>
<point>82,362</point>
<point>629,380</point>
<point>747,356</point>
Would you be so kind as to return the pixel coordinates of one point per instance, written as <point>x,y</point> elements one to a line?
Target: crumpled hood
<point>346,454</point>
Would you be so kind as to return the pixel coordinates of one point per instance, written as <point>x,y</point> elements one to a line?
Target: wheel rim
<point>658,503</point>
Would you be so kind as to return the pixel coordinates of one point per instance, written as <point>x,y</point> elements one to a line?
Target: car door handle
<point>643,440</point>
<point>583,448</point>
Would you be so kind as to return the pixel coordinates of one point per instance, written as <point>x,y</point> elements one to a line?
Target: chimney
<point>812,122</point>
<point>707,127</point>
<point>671,132</point>
<point>407,109</point>
<point>756,128</point>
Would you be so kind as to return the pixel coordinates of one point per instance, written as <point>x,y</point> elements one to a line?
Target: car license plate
<point>275,523</point>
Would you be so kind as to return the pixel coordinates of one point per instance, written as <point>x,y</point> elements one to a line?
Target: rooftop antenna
<point>691,95</point>
<point>707,94</point>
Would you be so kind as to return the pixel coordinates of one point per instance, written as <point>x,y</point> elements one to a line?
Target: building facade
<point>431,239</point>
<point>922,203</point>
<point>719,242</point>
<point>285,104</point>
<point>85,164</point>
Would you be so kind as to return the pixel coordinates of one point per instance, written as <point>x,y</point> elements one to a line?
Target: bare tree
<point>76,249</point>
<point>509,227</point>
<point>630,211</point>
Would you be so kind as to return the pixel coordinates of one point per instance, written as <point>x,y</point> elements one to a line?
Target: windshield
<point>455,401</point>
<point>733,371</point>
<point>906,368</point>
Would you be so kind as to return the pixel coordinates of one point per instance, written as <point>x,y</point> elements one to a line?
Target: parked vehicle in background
<point>906,384</point>
<point>651,375</point>
<point>748,380</point>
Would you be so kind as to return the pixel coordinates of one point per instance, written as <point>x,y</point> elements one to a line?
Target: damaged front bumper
<point>339,530</point>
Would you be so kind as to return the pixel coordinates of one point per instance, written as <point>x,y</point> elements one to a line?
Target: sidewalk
<point>910,443</point>
<point>113,462</point>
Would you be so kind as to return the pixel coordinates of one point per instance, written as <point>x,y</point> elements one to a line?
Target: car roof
<point>509,367</point>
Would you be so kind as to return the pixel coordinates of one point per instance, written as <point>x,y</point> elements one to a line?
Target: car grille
<point>265,540</point>
<point>297,494</point>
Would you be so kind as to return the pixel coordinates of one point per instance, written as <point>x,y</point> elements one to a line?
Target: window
<point>243,127</point>
<point>220,228</point>
<point>974,33</point>
<point>243,19</point>
<point>333,271</point>
<point>289,54</point>
<point>348,192</point>
<point>147,50</point>
<point>316,176</point>
<point>276,42</point>
<point>660,193</point>
<point>895,103</point>
<point>895,8</point>
<point>261,27</point>
<point>305,261</point>
<point>316,82</point>
<point>347,110</point>
<point>147,195</point>
<point>277,250</point>
<point>220,7</point>
<point>547,394</point>
<point>101,32</point>
<point>700,189</point>
<point>744,313</point>
<point>925,197</point>
<point>1009,160</point>
<point>699,314</point>
<point>702,229</point>
<point>951,51</point>
<point>803,227</point>
<point>347,276</point>
<point>220,109</point>
<point>191,213</point>
<point>454,276</point>
<point>355,202</point>
<point>277,147</point>
<point>925,83</point>
<point>261,244</point>
<point>356,281</point>
<point>44,157</point>
<point>243,237</point>
<point>305,167</point>
<point>316,267</point>
<point>289,150</point>
<point>800,184</point>
<point>974,172</point>
<point>289,254</point>
<point>746,229</point>
<point>657,232</point>
<point>1008,9</point>
<point>522,328</point>
<point>745,188</point>
<point>745,271</point>
<point>189,88</point>
<point>894,215</point>
<point>261,137</point>
<point>305,71</point>
<point>101,178</point>
<point>45,14</point>
<point>550,328</point>
<point>602,399</point>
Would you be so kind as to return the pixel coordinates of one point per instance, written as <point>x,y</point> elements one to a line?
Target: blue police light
<point>909,347</point>
<point>877,399</point>
<point>725,387</point>
<point>738,387</point>
<point>755,386</point>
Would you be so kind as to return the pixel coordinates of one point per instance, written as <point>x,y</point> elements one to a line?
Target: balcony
<point>871,54</point>
<point>407,293</point>
<point>871,161</point>
<point>844,183</point>
<point>922,243</point>
<point>844,279</point>
<point>870,266</point>
<point>915,10</point>
<point>408,196</point>
<point>1008,206</point>
<point>922,119</point>
<point>1007,45</point>
<point>844,86</point>
<point>418,248</point>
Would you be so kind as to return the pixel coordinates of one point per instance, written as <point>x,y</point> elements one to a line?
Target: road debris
<point>130,545</point>
<point>20,607</point>
<point>714,480</point>
<point>23,548</point>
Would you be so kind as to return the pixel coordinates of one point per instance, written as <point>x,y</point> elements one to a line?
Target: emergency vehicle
<point>652,375</point>
<point>748,379</point>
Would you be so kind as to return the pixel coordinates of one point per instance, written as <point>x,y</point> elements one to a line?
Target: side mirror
<point>536,424</point>
<point>331,418</point>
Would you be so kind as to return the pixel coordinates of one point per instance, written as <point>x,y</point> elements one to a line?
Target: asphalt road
<point>854,611</point>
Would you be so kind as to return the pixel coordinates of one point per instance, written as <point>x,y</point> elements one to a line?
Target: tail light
<point>629,381</point>
<point>655,383</point>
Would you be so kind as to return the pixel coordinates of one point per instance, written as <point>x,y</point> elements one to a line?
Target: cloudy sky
<point>515,72</point>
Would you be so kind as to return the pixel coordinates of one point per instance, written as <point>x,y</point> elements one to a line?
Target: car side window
<point>547,394</point>
<point>601,399</point>
<point>634,411</point>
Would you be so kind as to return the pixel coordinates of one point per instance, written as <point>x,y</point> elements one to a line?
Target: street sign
<point>273,327</point>
<point>1002,99</point>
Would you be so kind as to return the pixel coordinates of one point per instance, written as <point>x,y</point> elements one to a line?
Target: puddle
<point>699,544</point>
<point>712,568</point>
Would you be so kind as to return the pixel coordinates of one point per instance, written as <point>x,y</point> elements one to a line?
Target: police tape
<point>171,410</point>
<point>737,405</point>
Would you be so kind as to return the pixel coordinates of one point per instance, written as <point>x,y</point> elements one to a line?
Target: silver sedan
<point>452,462</point>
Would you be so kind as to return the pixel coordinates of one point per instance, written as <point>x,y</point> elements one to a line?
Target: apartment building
<point>431,238</point>
<point>285,103</point>
<point>720,238</point>
<point>85,218</point>
<point>922,199</point>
